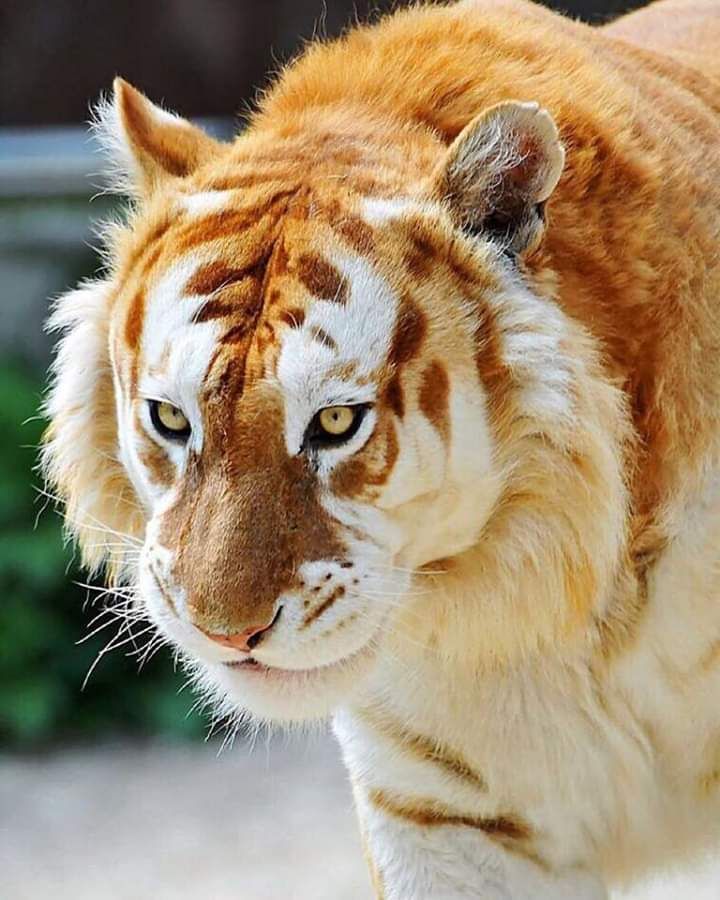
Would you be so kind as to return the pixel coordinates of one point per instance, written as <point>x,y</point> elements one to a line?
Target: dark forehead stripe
<point>238,340</point>
<point>181,235</point>
<point>228,223</point>
<point>243,303</point>
<point>237,290</point>
<point>231,379</point>
<point>266,178</point>
<point>231,357</point>
<point>150,246</point>
<point>422,250</point>
<point>264,337</point>
<point>233,291</point>
<point>321,278</point>
<point>216,309</point>
<point>213,277</point>
<point>410,330</point>
<point>357,233</point>
<point>135,268</point>
<point>280,258</point>
<point>236,335</point>
<point>239,297</point>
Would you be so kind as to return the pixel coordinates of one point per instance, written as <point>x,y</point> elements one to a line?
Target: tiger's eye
<point>169,421</point>
<point>336,420</point>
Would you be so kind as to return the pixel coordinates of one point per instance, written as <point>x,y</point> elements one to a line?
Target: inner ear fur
<point>148,146</point>
<point>499,172</point>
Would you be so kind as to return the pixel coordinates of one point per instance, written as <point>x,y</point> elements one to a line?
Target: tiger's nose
<point>243,640</point>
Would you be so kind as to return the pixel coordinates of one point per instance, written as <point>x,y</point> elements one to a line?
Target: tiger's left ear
<point>148,146</point>
<point>499,172</point>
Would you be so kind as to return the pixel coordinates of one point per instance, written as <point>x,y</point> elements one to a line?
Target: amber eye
<point>169,421</point>
<point>335,425</point>
<point>336,420</point>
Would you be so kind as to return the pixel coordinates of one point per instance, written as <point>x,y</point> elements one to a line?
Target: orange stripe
<point>510,831</point>
<point>423,748</point>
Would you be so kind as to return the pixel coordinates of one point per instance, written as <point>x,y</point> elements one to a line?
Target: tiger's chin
<point>278,695</point>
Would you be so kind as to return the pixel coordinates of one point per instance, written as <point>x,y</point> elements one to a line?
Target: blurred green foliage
<point>42,617</point>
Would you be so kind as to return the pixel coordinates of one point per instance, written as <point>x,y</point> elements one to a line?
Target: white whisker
<point>114,645</point>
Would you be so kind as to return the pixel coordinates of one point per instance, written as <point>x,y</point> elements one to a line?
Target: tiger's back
<point>684,30</point>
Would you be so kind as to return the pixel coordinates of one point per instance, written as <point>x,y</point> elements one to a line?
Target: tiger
<point>401,410</point>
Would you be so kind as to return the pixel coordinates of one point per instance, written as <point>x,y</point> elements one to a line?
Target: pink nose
<point>243,640</point>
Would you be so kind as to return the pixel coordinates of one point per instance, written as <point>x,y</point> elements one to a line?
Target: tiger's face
<point>300,426</point>
<point>305,375</point>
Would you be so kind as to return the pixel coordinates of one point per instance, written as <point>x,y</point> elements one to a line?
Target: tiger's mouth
<point>249,662</point>
<point>255,668</point>
<point>282,689</point>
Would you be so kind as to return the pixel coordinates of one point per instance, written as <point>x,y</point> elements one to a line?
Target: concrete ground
<point>160,822</point>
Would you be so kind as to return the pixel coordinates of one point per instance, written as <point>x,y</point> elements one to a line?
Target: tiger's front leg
<point>417,852</point>
<point>432,828</point>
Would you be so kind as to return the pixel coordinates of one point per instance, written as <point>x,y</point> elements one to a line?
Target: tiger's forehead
<point>230,294</point>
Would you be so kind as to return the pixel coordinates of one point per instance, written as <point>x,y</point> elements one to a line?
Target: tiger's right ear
<point>148,147</point>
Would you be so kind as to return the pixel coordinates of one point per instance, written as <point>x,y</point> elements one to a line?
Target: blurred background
<point>109,791</point>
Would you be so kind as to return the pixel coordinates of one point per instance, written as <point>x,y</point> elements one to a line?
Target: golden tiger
<point>404,407</point>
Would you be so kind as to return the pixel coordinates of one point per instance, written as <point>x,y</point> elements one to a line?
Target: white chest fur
<point>612,772</point>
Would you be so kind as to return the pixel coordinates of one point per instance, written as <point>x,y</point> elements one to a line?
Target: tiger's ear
<point>499,172</point>
<point>147,146</point>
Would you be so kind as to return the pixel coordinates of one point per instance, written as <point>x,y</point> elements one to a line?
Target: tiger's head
<point>308,376</point>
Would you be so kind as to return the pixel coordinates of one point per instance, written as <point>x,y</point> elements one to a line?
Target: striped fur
<point>495,232</point>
